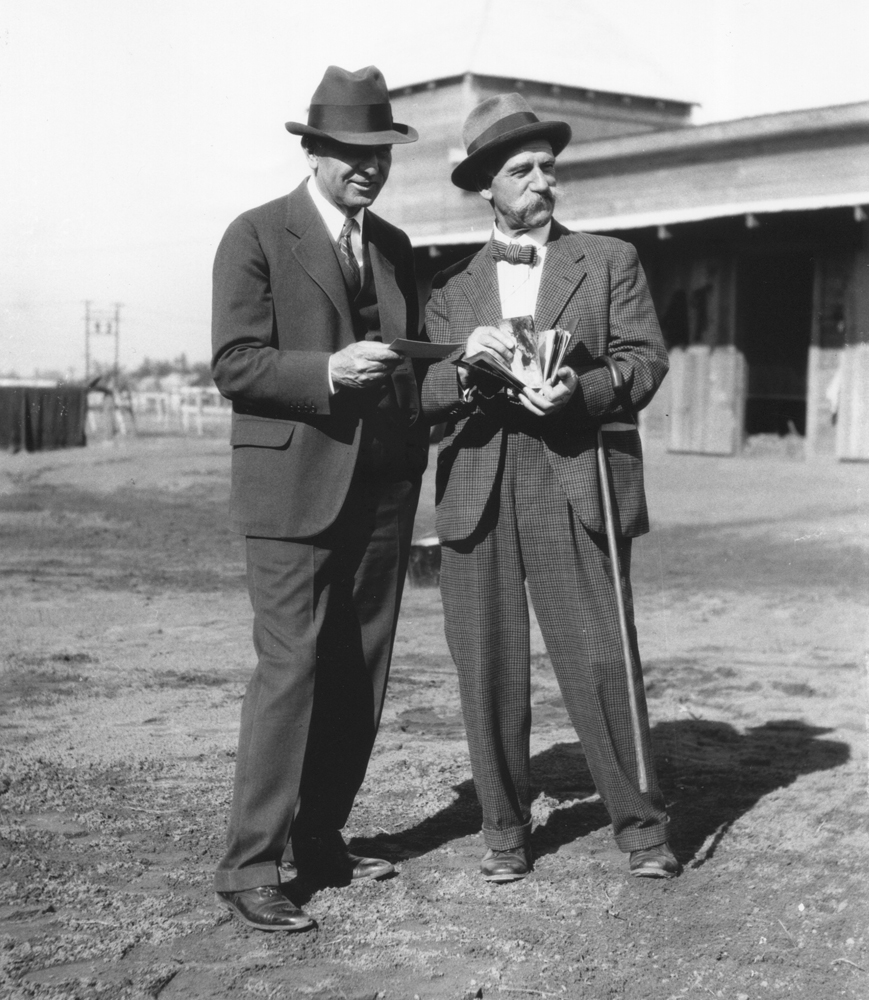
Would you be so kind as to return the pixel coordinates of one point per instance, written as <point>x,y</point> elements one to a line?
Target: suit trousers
<point>529,532</point>
<point>325,611</point>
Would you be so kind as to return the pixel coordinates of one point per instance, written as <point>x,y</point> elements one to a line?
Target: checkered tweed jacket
<point>598,283</point>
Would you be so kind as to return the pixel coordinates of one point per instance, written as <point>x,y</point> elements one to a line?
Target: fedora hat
<point>497,123</point>
<point>353,108</point>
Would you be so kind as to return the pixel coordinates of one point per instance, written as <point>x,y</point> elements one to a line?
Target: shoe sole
<point>505,878</point>
<point>376,874</point>
<point>653,873</point>
<point>288,874</point>
<point>265,927</point>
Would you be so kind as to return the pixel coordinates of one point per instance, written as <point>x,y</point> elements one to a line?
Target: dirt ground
<point>124,651</point>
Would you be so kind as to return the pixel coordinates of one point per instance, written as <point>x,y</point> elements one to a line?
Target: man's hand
<point>491,339</point>
<point>553,395</point>
<point>362,365</point>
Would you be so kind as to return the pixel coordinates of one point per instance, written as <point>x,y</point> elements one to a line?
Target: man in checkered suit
<point>518,495</point>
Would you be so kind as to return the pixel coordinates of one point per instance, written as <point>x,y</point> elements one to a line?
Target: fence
<point>186,410</point>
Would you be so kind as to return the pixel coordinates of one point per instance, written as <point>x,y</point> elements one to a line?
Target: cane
<point>609,520</point>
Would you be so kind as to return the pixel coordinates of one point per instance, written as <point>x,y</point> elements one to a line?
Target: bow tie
<point>514,253</point>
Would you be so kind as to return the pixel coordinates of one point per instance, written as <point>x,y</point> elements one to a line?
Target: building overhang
<point>858,200</point>
<point>701,213</point>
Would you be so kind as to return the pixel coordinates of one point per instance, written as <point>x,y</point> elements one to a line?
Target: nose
<point>367,163</point>
<point>540,180</point>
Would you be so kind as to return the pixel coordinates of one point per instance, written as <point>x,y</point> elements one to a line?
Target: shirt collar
<point>331,216</point>
<point>537,237</point>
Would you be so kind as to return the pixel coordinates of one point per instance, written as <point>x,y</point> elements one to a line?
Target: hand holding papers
<point>535,359</point>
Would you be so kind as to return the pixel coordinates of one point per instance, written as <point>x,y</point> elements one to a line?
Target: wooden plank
<point>707,393</point>
<point>852,425</point>
<point>822,395</point>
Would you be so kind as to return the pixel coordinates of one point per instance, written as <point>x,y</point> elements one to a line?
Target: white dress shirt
<point>518,284</point>
<point>333,219</point>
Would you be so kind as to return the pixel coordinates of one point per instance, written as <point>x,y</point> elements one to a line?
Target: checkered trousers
<point>530,531</point>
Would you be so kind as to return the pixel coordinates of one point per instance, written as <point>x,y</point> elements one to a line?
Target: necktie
<point>514,253</point>
<point>351,270</point>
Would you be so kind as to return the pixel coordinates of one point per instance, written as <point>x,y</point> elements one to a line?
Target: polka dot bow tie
<point>514,253</point>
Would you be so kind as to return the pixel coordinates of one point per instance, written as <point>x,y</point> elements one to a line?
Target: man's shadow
<point>709,773</point>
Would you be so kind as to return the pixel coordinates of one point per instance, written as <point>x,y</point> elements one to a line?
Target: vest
<point>389,446</point>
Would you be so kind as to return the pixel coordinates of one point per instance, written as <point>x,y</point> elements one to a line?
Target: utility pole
<point>117,342</point>
<point>87,341</point>
<point>101,321</point>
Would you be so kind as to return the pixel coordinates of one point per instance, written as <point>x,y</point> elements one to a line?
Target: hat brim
<point>397,134</point>
<point>466,174</point>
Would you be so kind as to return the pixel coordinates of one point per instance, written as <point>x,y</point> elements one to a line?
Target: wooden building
<point>753,233</point>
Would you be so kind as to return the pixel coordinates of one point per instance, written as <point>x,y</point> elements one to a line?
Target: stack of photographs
<point>537,357</point>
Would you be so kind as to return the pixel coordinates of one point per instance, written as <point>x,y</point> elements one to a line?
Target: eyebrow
<point>528,164</point>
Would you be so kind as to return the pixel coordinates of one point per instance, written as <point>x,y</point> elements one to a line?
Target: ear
<point>486,193</point>
<point>312,158</point>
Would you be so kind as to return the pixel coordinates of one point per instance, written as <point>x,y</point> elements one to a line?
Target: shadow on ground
<point>710,774</point>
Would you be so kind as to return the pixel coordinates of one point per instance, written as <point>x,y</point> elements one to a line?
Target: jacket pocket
<point>260,432</point>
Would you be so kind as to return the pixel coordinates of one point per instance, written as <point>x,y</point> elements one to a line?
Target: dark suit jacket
<point>598,282</point>
<point>280,308</point>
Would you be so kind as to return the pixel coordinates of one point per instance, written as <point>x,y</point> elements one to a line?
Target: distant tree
<point>201,372</point>
<point>150,368</point>
<point>49,374</point>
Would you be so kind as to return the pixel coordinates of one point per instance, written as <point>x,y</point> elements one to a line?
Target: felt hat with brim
<point>353,108</point>
<point>494,126</point>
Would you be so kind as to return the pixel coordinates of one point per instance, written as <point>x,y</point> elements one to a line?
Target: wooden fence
<point>198,411</point>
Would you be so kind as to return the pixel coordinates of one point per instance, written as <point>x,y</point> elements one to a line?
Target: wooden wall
<point>420,197</point>
<point>720,178</point>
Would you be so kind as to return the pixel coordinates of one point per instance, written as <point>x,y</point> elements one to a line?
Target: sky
<point>133,132</point>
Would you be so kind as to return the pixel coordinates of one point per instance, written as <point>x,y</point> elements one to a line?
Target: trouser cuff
<point>640,839</point>
<point>506,840</point>
<point>251,877</point>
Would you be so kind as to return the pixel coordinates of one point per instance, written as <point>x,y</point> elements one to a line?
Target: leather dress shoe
<point>655,862</point>
<point>506,866</point>
<point>267,909</point>
<point>326,858</point>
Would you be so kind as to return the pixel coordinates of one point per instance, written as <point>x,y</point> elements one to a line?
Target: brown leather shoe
<point>267,909</point>
<point>655,862</point>
<point>506,866</point>
<point>325,858</point>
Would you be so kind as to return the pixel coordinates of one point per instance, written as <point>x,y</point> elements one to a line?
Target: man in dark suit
<point>518,493</point>
<point>327,456</point>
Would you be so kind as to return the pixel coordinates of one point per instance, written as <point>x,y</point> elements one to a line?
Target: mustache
<point>544,199</point>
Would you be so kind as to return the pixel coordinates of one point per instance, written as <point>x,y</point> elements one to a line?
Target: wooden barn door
<point>705,389</point>
<point>852,416</point>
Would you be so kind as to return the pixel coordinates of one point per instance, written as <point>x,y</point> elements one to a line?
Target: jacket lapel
<point>390,301</point>
<point>480,285</point>
<point>315,253</point>
<point>393,316</point>
<point>563,272</point>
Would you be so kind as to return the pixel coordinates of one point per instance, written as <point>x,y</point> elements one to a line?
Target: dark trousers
<point>325,611</point>
<point>530,533</point>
